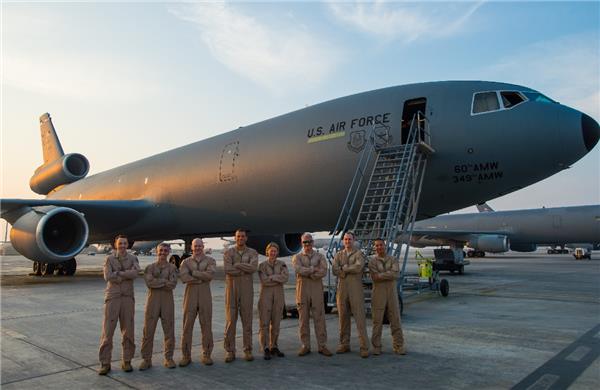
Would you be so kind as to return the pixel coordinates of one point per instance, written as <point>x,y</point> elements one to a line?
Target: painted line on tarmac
<point>564,368</point>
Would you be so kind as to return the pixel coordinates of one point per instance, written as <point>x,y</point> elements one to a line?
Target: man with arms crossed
<point>348,267</point>
<point>385,270</point>
<point>310,267</point>
<point>161,279</point>
<point>196,272</point>
<point>120,269</point>
<point>240,263</point>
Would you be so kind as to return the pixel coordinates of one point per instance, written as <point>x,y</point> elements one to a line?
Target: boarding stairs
<point>388,181</point>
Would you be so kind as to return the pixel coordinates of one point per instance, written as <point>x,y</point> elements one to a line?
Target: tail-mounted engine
<point>67,169</point>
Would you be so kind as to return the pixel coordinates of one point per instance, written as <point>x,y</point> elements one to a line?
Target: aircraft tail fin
<point>484,208</point>
<point>51,146</point>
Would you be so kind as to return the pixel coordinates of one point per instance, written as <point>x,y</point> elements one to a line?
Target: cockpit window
<point>511,99</point>
<point>538,97</point>
<point>484,102</point>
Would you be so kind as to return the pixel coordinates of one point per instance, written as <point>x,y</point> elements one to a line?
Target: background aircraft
<point>517,230</point>
<point>290,174</point>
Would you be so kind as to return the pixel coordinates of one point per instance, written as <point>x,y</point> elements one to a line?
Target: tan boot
<point>325,352</point>
<point>169,363</point>
<point>145,364</point>
<point>126,366</point>
<point>304,351</point>
<point>206,360</point>
<point>343,349</point>
<point>229,357</point>
<point>376,351</point>
<point>185,361</point>
<point>248,356</point>
<point>104,369</point>
<point>364,353</point>
<point>400,351</point>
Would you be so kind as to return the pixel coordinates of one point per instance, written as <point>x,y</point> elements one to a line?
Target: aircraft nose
<point>590,130</point>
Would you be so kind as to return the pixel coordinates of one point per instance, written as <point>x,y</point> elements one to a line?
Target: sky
<point>124,81</point>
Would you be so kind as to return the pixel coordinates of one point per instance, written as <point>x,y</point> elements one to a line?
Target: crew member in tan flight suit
<point>385,270</point>
<point>197,272</point>
<point>120,269</point>
<point>310,267</point>
<point>240,263</point>
<point>273,275</point>
<point>161,279</point>
<point>348,267</point>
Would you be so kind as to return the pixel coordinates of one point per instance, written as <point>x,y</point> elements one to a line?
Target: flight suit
<point>119,305</point>
<point>239,294</point>
<point>196,273</point>
<point>271,301</point>
<point>384,273</point>
<point>161,279</point>
<point>310,269</point>
<point>348,267</point>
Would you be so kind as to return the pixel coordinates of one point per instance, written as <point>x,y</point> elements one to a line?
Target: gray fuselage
<point>268,177</point>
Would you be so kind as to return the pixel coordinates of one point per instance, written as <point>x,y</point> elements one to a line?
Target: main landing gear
<point>66,268</point>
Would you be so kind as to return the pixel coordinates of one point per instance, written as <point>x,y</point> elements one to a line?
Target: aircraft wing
<point>454,235</point>
<point>98,213</point>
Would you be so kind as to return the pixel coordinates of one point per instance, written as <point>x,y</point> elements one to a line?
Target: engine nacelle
<point>523,247</point>
<point>494,243</point>
<point>50,234</point>
<point>67,169</point>
<point>289,244</point>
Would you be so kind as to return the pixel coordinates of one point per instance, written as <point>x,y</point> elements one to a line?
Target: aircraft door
<point>411,108</point>
<point>227,163</point>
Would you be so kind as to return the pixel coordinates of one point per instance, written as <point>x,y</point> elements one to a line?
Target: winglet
<point>484,208</point>
<point>51,146</point>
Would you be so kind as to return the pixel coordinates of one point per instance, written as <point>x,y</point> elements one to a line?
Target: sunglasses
<point>307,242</point>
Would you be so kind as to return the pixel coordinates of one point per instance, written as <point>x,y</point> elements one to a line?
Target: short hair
<point>118,237</point>
<point>240,230</point>
<point>163,244</point>
<point>306,234</point>
<point>350,233</point>
<point>271,245</point>
<point>197,239</point>
<point>379,239</point>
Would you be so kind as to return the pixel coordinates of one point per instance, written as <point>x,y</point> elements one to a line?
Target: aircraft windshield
<point>538,97</point>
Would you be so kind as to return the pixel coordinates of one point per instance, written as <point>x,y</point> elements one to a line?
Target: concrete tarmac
<point>511,321</point>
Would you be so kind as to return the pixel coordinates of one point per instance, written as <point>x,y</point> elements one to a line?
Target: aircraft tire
<point>175,259</point>
<point>444,287</point>
<point>70,267</point>
<point>37,268</point>
<point>328,309</point>
<point>47,269</point>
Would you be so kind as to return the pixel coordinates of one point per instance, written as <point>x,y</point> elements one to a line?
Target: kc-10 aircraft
<point>517,230</point>
<point>290,174</point>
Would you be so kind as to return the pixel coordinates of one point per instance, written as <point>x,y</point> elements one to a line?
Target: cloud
<point>41,54</point>
<point>567,69</point>
<point>405,22</point>
<point>273,57</point>
<point>77,76</point>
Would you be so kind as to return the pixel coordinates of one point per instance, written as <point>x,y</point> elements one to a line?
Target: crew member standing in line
<point>273,275</point>
<point>348,267</point>
<point>385,270</point>
<point>310,267</point>
<point>196,272</point>
<point>120,269</point>
<point>240,263</point>
<point>161,279</point>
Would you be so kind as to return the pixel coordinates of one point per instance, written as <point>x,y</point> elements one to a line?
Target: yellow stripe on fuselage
<point>326,137</point>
